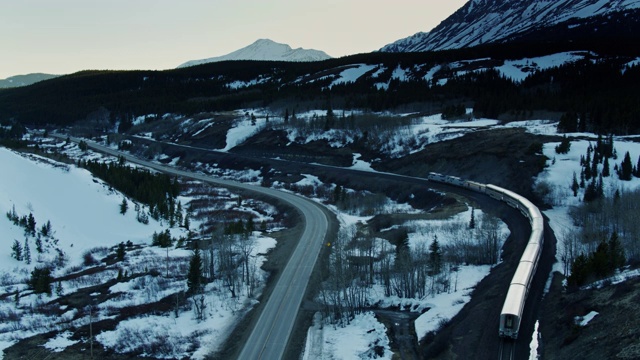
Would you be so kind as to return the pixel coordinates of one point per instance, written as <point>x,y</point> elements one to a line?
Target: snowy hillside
<point>267,50</point>
<point>489,21</point>
<point>82,211</point>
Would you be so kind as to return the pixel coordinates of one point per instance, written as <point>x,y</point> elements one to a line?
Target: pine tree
<point>616,251</point>
<point>194,277</point>
<point>472,221</point>
<point>31,225</point>
<point>46,229</point>
<point>41,280</point>
<point>574,185</point>
<point>39,245</point>
<point>121,251</point>
<point>579,271</point>
<point>26,252</point>
<point>626,168</point>
<point>435,256</point>
<point>16,250</point>
<point>124,206</point>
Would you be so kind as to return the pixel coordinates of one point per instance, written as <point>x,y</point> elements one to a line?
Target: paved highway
<point>271,333</point>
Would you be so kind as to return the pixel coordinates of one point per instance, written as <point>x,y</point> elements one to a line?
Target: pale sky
<point>65,36</point>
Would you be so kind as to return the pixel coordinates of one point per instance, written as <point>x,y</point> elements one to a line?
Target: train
<point>511,313</point>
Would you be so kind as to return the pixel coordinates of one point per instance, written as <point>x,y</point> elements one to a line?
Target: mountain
<point>268,50</point>
<point>24,80</point>
<point>499,21</point>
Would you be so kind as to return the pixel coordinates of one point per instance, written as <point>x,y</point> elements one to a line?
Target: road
<point>270,336</point>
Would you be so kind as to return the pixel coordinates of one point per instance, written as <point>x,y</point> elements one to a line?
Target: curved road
<point>270,336</point>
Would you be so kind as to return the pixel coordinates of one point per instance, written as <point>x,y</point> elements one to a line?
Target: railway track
<point>507,349</point>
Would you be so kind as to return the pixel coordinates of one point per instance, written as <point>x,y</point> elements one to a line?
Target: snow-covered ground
<point>73,202</point>
<point>85,219</point>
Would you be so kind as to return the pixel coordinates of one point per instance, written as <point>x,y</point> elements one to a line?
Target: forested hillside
<point>599,90</point>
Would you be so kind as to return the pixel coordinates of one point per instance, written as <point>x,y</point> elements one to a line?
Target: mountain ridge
<point>265,50</point>
<point>497,21</point>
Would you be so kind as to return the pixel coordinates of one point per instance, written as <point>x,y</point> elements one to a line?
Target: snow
<point>445,306</point>
<point>243,128</point>
<point>518,70</point>
<point>85,218</point>
<point>585,320</point>
<point>83,212</point>
<point>267,50</point>
<point>60,342</point>
<point>352,74</point>
<point>74,221</point>
<point>359,164</point>
<point>354,341</point>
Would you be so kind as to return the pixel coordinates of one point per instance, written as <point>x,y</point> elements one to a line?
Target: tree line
<point>158,191</point>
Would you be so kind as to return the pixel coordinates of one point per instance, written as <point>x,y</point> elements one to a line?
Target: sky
<point>65,36</point>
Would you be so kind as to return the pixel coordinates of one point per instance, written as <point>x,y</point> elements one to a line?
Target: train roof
<point>514,302</point>
<point>523,274</point>
<point>531,252</point>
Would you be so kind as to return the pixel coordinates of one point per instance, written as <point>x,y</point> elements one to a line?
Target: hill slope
<point>24,80</point>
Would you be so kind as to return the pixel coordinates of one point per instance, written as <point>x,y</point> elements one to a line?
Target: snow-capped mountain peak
<point>495,21</point>
<point>266,50</point>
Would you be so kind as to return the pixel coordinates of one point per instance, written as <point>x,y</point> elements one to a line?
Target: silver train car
<point>511,314</point>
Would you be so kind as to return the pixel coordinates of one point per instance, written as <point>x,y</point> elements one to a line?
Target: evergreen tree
<point>194,277</point>
<point>59,290</point>
<point>626,168</point>
<point>46,229</point>
<point>121,251</point>
<point>16,250</point>
<point>435,256</point>
<point>579,271</point>
<point>41,280</point>
<point>124,206</point>
<point>162,239</point>
<point>600,260</point>
<point>574,185</point>
<point>39,245</point>
<point>472,221</point>
<point>591,192</point>
<point>337,194</point>
<point>31,225</point>
<point>564,146</point>
<point>616,251</point>
<point>26,252</point>
<point>187,221</point>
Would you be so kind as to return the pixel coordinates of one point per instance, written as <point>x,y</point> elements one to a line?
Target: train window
<point>509,322</point>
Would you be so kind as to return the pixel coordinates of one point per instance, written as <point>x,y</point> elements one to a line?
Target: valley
<point>280,203</point>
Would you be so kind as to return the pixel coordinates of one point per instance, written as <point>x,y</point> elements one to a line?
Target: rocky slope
<point>496,21</point>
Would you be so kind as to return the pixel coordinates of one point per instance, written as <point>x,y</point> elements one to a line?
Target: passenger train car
<point>511,313</point>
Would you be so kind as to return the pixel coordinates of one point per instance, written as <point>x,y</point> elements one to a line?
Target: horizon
<point>72,35</point>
